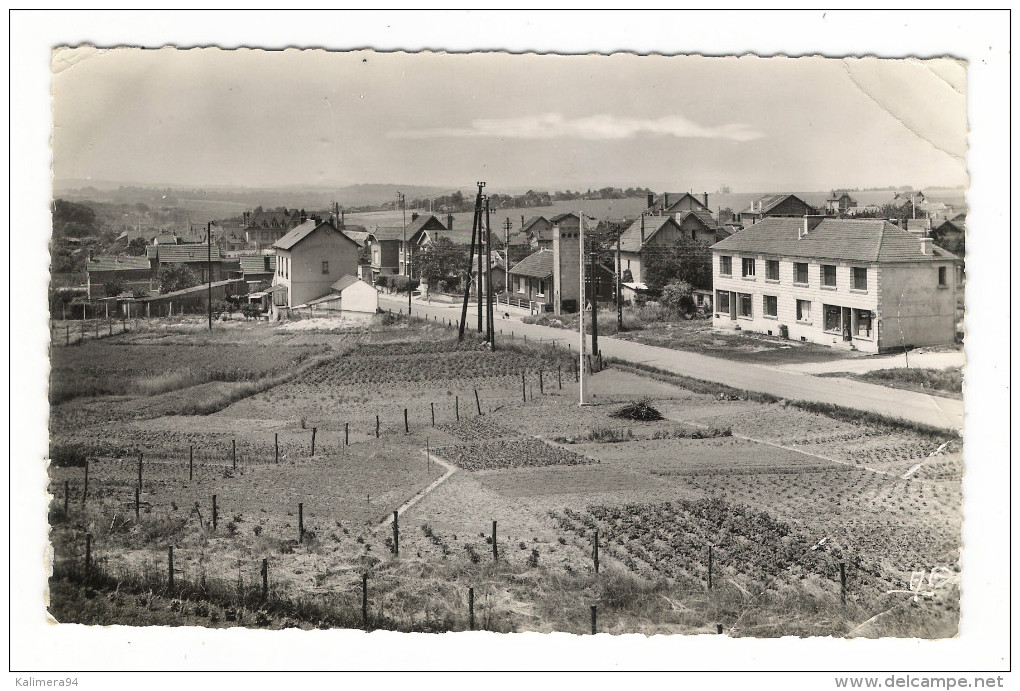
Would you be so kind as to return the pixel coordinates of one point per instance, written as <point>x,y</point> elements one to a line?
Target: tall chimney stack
<point>650,199</point>
<point>926,245</point>
<point>414,216</point>
<point>705,195</point>
<point>449,221</point>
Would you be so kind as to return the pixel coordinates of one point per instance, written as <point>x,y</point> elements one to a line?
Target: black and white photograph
<point>387,343</point>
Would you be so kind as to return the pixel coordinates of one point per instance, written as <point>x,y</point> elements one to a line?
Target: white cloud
<point>555,126</point>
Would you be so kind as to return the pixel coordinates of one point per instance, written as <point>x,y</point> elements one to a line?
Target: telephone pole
<point>491,333</point>
<point>403,249</point>
<point>481,248</point>
<point>581,378</point>
<point>467,276</point>
<point>619,295</point>
<point>208,266</point>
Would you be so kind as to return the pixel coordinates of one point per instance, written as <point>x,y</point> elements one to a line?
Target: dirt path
<point>422,493</point>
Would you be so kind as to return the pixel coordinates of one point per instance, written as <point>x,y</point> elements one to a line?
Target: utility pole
<point>467,277</point>
<point>619,274</point>
<point>403,248</point>
<point>491,334</point>
<point>594,303</point>
<point>208,265</point>
<point>582,379</point>
<point>482,242</point>
<point>506,250</point>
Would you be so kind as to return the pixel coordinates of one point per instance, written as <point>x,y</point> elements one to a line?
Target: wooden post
<point>191,463</point>
<point>396,536</point>
<point>214,513</point>
<point>433,406</point>
<point>314,430</point>
<point>559,376</point>
<point>407,429</point>
<point>478,402</point>
<point>88,557</point>
<point>137,507</point>
<point>301,522</point>
<point>541,385</point>
<point>710,567</point>
<point>495,552</point>
<point>139,470</point>
<point>524,388</point>
<point>170,569</point>
<point>347,434</point>
<point>594,615</point>
<point>456,406</point>
<point>276,445</point>
<point>577,376</point>
<point>85,488</point>
<point>471,609</point>
<point>842,582</point>
<point>67,495</point>
<point>595,552</point>
<point>67,334</point>
<point>364,601</point>
<point>376,426</point>
<point>718,629</point>
<point>233,453</point>
<point>265,579</point>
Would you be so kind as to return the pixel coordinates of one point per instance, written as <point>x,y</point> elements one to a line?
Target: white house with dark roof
<point>862,284</point>
<point>309,260</point>
<point>531,279</point>
<point>772,205</point>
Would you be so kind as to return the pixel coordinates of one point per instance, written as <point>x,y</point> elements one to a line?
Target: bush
<point>677,297</point>
<point>401,283</point>
<point>641,410</point>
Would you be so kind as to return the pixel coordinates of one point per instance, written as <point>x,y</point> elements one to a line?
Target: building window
<point>800,274</point>
<point>770,306</point>
<point>771,269</point>
<point>863,321</point>
<point>829,275</point>
<point>325,267</point>
<point>860,278</point>
<point>833,318</point>
<point>520,285</point>
<point>744,305</point>
<point>541,289</point>
<point>943,278</point>
<point>747,267</point>
<point>725,266</point>
<point>722,301</point>
<point>803,310</point>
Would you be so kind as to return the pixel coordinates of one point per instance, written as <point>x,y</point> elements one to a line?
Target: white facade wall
<point>359,297</point>
<point>787,293</point>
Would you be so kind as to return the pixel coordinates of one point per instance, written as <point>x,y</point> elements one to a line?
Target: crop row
<point>509,453</point>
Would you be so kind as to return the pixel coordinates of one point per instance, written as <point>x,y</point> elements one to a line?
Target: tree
<point>136,247</point>
<point>113,286</point>
<point>73,220</point>
<point>678,296</point>
<point>172,277</point>
<point>687,262</point>
<point>442,259</point>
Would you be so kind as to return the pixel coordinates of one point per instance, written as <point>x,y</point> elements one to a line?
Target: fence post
<point>67,334</point>
<point>139,470</point>
<point>433,406</point>
<point>577,376</point>
<point>88,557</point>
<point>594,615</point>
<point>478,402</point>
<point>541,385</point>
<point>276,445</point>
<point>67,495</point>
<point>301,522</point>
<point>456,406</point>
<point>595,552</point>
<point>842,582</point>
<point>710,567</point>
<point>347,434</point>
<point>559,376</point>
<point>524,388</point>
<point>396,536</point>
<point>407,429</point>
<point>265,579</point>
<point>718,629</point>
<point>471,609</point>
<point>233,452</point>
<point>214,513</point>
<point>314,430</point>
<point>364,600</point>
<point>191,463</point>
<point>85,488</point>
<point>495,552</point>
<point>376,426</point>
<point>170,569</point>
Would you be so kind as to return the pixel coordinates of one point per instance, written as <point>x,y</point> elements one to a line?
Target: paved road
<point>870,364</point>
<point>946,413</point>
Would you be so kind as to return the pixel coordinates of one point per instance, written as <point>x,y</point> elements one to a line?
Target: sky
<point>276,118</point>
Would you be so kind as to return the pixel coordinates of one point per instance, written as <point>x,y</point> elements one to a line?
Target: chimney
<point>810,223</point>
<point>705,195</point>
<point>449,221</point>
<point>414,216</point>
<point>925,245</point>
<point>650,199</point>
<point>304,216</point>
<point>665,201</point>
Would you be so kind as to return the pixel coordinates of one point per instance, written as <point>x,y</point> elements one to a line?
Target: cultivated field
<point>763,519</point>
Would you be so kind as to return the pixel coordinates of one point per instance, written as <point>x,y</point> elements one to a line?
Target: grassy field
<point>782,497</point>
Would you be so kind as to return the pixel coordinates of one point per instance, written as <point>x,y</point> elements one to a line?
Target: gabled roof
<point>704,216</point>
<point>184,254</point>
<point>958,223</point>
<point>117,264</point>
<point>836,195</point>
<point>256,264</point>
<point>559,217</point>
<point>346,281</point>
<point>536,265</point>
<point>359,236</point>
<point>302,231</point>
<point>384,234</point>
<point>868,241</point>
<point>424,222</point>
<point>630,240</point>
<point>165,239</point>
<point>668,200</point>
<point>762,205</point>
<point>532,221</point>
<point>282,219</point>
